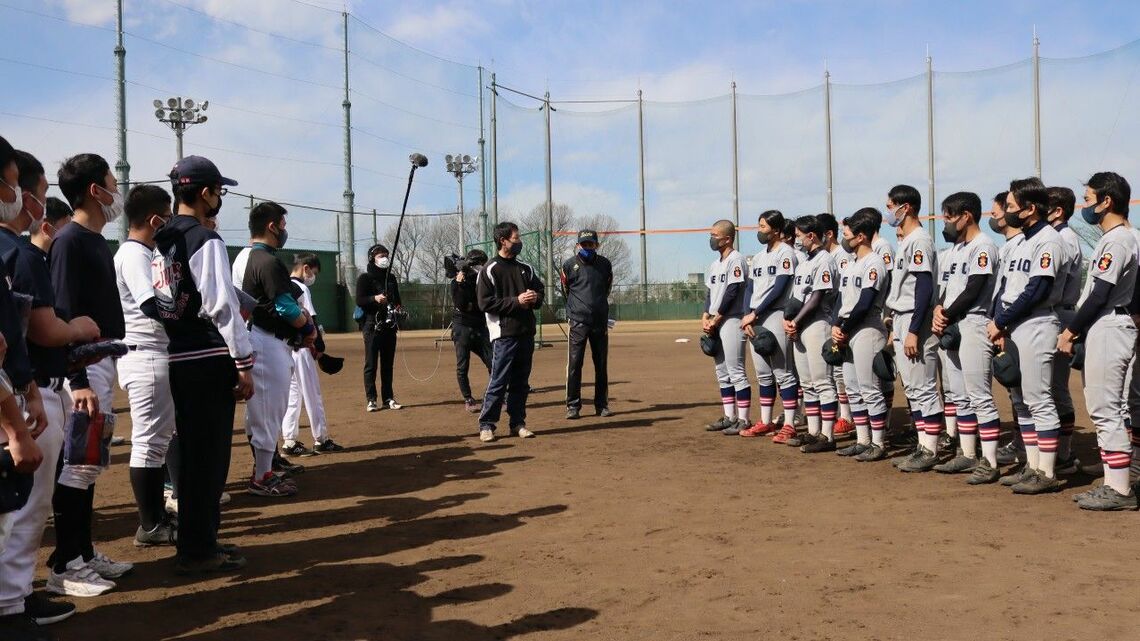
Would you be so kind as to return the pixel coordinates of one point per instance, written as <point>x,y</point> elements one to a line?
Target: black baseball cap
<point>196,170</point>
<point>588,236</point>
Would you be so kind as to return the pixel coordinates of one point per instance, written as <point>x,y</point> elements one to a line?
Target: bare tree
<point>411,237</point>
<point>614,247</point>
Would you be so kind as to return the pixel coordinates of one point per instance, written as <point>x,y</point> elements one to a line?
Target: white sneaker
<point>107,568</point>
<point>524,433</point>
<point>392,404</point>
<point>226,498</point>
<point>78,580</point>
<point>487,436</point>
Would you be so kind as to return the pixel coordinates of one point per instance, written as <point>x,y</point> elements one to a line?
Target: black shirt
<point>587,285</point>
<point>371,283</point>
<point>83,276</point>
<point>464,296</point>
<point>266,279</point>
<point>499,285</point>
<point>28,267</point>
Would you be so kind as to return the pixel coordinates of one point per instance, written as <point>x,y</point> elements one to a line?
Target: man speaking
<point>587,279</point>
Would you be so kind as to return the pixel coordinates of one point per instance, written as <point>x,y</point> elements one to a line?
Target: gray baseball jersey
<point>1035,255</point>
<point>766,266</point>
<point>1004,252</point>
<point>975,258</point>
<point>816,274</point>
<point>915,255</point>
<point>1072,263</point>
<point>945,260</point>
<point>863,273</point>
<point>720,274</point>
<point>1114,262</point>
<point>840,258</point>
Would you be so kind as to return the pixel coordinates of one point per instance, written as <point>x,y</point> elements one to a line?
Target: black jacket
<point>465,298</point>
<point>587,284</point>
<point>372,282</point>
<point>498,287</point>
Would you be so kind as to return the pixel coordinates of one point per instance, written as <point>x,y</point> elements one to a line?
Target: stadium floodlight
<point>180,114</point>
<point>459,165</point>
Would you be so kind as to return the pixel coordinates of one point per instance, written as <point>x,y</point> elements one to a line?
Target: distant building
<point>695,278</point>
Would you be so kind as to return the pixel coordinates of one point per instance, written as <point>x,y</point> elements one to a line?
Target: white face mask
<point>9,211</point>
<point>115,209</point>
<point>309,279</point>
<point>382,262</point>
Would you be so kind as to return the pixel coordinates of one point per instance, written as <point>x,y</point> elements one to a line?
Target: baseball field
<point>639,526</point>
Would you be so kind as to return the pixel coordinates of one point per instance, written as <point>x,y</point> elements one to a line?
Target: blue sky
<point>276,114</point>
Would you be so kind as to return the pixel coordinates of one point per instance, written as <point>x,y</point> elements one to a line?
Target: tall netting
<point>878,136</point>
<point>521,148</point>
<point>688,181</point>
<point>782,157</point>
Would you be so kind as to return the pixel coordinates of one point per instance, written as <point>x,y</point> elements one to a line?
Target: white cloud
<point>88,12</point>
<point>435,29</point>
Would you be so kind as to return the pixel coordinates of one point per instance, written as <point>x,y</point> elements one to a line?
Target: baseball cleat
<point>820,444</point>
<point>1010,453</point>
<point>947,443</point>
<point>922,460</point>
<point>719,424</point>
<point>786,432</point>
<point>899,460</point>
<point>487,436</point>
<point>737,426</point>
<point>842,428</point>
<point>757,429</point>
<point>1109,500</point>
<point>1080,496</point>
<point>803,438</point>
<point>372,407</point>
<point>1038,483</point>
<point>271,486</point>
<point>957,465</point>
<point>1068,466</point>
<point>906,438</point>
<point>983,474</point>
<point>282,466</point>
<point>1013,478</point>
<point>573,413</point>
<point>855,449</point>
<point>1095,470</point>
<point>872,453</point>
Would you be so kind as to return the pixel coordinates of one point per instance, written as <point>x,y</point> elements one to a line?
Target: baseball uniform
<point>725,280</point>
<point>1033,327</point>
<point>1069,273</point>
<point>1109,345</point>
<point>839,260</point>
<point>866,337</point>
<point>952,385</point>
<point>816,274</point>
<point>305,386</point>
<point>771,272</point>
<point>915,256</point>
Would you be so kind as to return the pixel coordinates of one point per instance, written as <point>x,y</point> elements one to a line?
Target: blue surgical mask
<point>891,217</point>
<point>1090,215</point>
<point>587,254</point>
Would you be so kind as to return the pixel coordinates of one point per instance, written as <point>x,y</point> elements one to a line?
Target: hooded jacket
<point>372,282</point>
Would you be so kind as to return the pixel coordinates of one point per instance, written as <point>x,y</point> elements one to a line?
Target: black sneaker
<point>21,627</point>
<point>282,466</point>
<point>820,444</point>
<point>297,449</point>
<point>573,413</point>
<point>44,611</point>
<point>326,446</point>
<point>903,439</point>
<point>1010,453</point>
<point>801,439</point>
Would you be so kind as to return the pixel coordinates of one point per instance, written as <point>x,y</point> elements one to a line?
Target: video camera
<point>453,264</point>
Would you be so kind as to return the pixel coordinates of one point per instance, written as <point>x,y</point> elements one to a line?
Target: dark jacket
<point>465,298</point>
<point>372,282</point>
<point>499,286</point>
<point>587,284</point>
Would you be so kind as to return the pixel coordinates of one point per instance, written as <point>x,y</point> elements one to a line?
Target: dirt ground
<point>640,526</point>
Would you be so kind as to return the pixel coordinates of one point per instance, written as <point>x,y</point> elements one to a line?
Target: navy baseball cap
<point>196,170</point>
<point>588,236</point>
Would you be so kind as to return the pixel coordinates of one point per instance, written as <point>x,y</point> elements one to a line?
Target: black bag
<point>15,487</point>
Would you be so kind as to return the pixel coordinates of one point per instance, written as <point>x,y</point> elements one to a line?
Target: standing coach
<point>587,278</point>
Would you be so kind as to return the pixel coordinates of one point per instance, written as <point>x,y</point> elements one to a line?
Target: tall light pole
<point>179,114</point>
<point>459,166</point>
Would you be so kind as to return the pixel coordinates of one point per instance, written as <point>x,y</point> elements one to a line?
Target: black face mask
<point>950,232</point>
<point>764,237</point>
<point>995,224</point>
<point>213,212</point>
<point>1013,219</point>
<point>714,243</point>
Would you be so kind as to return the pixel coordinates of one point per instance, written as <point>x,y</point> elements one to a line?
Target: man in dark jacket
<point>508,291</point>
<point>378,294</point>
<point>468,325</point>
<point>586,282</point>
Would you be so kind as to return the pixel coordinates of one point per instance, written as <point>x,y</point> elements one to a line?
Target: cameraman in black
<point>468,324</point>
<point>378,294</point>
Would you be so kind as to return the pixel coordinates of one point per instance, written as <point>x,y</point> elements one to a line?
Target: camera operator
<point>468,324</point>
<point>378,294</point>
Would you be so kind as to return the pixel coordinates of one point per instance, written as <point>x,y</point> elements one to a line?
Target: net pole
<point>122,167</point>
<point>641,193</point>
<point>735,169</point>
<point>346,232</point>
<point>1036,103</point>
<point>549,214</point>
<point>930,135</point>
<point>827,139</point>
<point>482,162</point>
<point>494,153</point>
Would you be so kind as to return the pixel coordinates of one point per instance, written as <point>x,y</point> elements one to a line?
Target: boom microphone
<point>419,160</point>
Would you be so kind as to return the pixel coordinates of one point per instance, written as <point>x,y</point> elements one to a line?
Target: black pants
<point>468,340</point>
<point>204,415</point>
<point>598,337</point>
<point>379,345</point>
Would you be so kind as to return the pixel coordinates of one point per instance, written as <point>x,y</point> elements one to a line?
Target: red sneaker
<point>758,429</point>
<point>843,426</point>
<point>786,432</point>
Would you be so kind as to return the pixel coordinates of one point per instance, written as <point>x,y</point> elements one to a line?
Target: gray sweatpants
<point>920,375</point>
<point>729,359</point>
